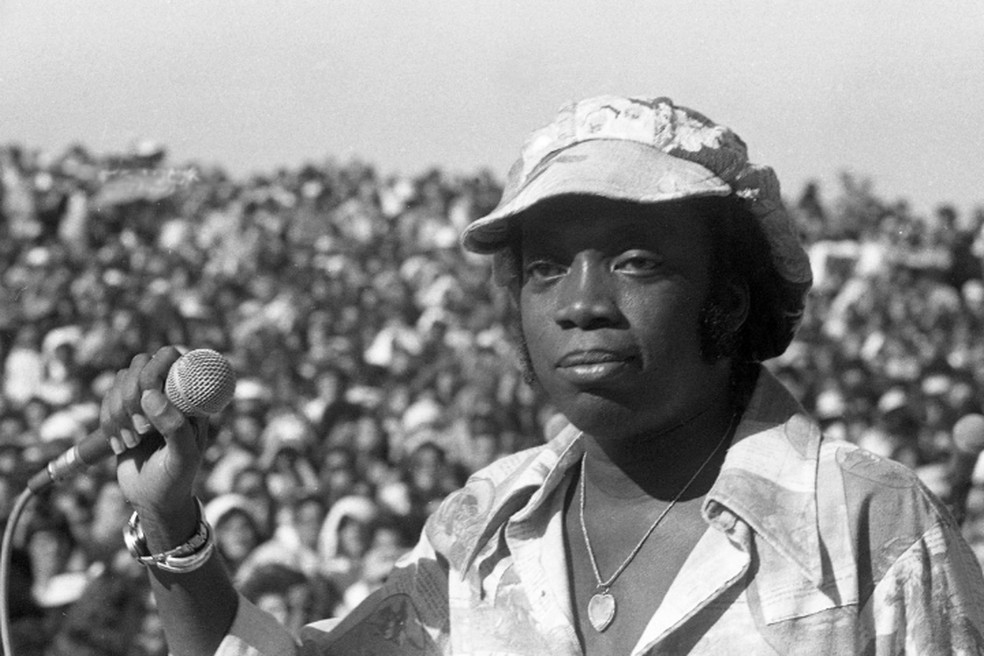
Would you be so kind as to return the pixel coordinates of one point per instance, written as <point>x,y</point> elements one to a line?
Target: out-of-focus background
<point>868,86</point>
<point>285,182</point>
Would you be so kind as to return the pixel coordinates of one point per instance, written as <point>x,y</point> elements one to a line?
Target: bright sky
<point>889,90</point>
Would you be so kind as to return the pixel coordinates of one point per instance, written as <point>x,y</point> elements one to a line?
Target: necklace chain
<point>605,585</point>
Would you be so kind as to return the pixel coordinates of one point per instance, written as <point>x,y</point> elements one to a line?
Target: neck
<point>658,463</point>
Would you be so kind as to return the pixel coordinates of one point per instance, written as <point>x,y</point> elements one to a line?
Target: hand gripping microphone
<point>199,383</point>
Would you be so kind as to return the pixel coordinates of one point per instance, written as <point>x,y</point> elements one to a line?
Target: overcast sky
<point>893,91</point>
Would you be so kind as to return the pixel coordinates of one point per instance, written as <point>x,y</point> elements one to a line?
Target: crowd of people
<point>376,363</point>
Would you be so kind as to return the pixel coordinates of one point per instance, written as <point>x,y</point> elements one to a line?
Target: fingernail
<point>129,437</point>
<point>116,445</point>
<point>140,424</point>
<point>153,401</point>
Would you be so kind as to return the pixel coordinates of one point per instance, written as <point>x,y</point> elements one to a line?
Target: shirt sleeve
<point>408,616</point>
<point>256,633</point>
<point>931,601</point>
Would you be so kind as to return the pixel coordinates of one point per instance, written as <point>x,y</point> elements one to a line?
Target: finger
<point>109,415</point>
<point>129,437</point>
<point>154,373</point>
<point>163,415</point>
<point>184,446</point>
<point>116,444</point>
<point>129,384</point>
<point>141,424</point>
<point>146,372</point>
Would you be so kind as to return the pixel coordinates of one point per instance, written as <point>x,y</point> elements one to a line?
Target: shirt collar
<point>530,486</point>
<point>768,478</point>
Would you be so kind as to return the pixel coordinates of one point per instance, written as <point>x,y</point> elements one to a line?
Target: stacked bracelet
<point>183,558</point>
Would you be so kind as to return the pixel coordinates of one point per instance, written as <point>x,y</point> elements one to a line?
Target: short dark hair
<point>741,254</point>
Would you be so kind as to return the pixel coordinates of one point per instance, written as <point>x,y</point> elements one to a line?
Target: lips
<point>595,365</point>
<point>594,356</point>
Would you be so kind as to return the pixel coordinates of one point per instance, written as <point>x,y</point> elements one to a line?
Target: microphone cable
<point>5,551</point>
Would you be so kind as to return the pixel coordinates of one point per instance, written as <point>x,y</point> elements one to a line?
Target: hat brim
<point>615,169</point>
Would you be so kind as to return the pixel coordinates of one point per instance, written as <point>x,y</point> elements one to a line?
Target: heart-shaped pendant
<point>601,610</point>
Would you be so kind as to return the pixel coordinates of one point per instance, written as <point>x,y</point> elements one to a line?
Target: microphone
<point>968,443</point>
<point>199,383</point>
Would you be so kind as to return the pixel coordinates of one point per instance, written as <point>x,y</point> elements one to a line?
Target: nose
<point>586,298</point>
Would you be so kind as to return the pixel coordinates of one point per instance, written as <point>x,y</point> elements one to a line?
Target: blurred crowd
<point>376,363</point>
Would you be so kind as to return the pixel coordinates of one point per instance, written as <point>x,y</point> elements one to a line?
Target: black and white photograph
<point>491,328</point>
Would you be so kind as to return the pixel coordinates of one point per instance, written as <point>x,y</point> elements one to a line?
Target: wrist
<point>166,529</point>
<point>187,556</point>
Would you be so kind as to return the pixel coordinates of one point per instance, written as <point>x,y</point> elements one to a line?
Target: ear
<point>736,301</point>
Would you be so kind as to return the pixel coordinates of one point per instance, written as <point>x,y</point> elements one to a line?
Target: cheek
<point>535,324</point>
<point>667,323</point>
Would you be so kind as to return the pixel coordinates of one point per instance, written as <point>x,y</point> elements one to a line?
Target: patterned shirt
<point>812,547</point>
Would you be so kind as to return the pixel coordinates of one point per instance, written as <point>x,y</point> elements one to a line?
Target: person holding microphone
<point>688,504</point>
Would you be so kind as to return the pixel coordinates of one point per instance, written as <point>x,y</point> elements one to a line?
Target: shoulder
<point>490,484</point>
<point>889,512</point>
<point>882,489</point>
<point>458,526</point>
<point>916,575</point>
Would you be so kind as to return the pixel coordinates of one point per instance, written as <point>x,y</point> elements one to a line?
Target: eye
<point>637,262</point>
<point>539,270</point>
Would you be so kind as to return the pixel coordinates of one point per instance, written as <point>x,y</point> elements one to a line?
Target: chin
<point>602,417</point>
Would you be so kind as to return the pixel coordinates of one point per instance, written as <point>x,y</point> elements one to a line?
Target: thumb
<point>178,429</point>
<point>153,402</point>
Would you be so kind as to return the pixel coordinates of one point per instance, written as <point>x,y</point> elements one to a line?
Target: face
<point>425,469</point>
<point>247,430</point>
<point>307,520</point>
<point>353,538</point>
<point>235,536</point>
<point>610,303</point>
<point>484,449</point>
<point>339,472</point>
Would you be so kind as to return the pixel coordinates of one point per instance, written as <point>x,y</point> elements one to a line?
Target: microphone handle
<point>90,450</point>
<point>199,383</point>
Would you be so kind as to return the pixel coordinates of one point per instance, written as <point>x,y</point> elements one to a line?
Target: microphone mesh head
<point>200,382</point>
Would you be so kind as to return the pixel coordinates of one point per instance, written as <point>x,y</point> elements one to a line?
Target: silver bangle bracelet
<point>181,559</point>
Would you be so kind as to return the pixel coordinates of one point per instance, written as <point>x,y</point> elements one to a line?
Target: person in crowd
<point>288,470</point>
<point>236,448</point>
<point>295,539</point>
<point>58,576</point>
<point>338,474</point>
<point>237,530</point>
<point>485,449</point>
<point>101,538</point>
<point>250,483</point>
<point>345,539</point>
<point>24,366</point>
<point>108,617</point>
<point>653,269</point>
<point>387,544</point>
<point>288,595</point>
<point>424,482</point>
